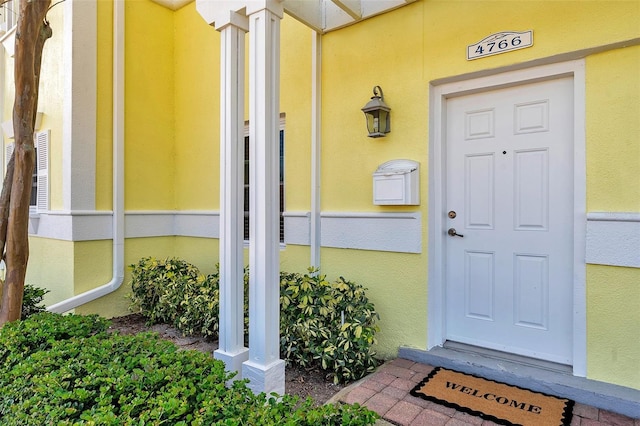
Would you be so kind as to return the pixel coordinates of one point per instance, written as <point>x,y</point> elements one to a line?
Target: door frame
<point>439,93</point>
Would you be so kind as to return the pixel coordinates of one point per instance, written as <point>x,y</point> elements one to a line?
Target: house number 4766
<point>500,43</point>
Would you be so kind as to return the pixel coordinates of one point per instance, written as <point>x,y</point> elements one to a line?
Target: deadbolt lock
<point>452,214</point>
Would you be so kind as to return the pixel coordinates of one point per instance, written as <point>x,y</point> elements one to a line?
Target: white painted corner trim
<point>613,238</point>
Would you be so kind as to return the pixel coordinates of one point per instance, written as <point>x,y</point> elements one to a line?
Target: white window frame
<point>8,16</point>
<point>281,137</point>
<point>41,141</point>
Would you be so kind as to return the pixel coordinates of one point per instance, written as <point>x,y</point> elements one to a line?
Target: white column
<point>316,147</point>
<point>79,106</point>
<point>231,348</point>
<point>264,369</point>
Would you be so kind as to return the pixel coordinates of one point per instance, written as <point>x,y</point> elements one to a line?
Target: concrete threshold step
<point>543,377</point>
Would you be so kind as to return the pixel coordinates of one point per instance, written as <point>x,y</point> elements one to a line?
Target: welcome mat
<point>499,402</point>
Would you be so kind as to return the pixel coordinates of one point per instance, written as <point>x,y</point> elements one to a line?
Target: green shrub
<point>174,292</point>
<point>31,300</point>
<point>308,308</point>
<point>332,325</point>
<point>349,351</point>
<point>67,370</point>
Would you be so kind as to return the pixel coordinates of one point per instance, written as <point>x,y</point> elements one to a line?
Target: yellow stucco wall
<point>613,326</point>
<point>201,252</point>
<point>613,184</point>
<point>401,51</point>
<point>558,26</point>
<point>396,285</point>
<point>376,52</point>
<point>149,104</point>
<point>295,102</point>
<point>197,112</point>
<point>51,266</point>
<point>350,69</point>
<point>172,153</point>
<point>50,103</point>
<point>116,303</point>
<point>613,126</point>
<point>405,50</point>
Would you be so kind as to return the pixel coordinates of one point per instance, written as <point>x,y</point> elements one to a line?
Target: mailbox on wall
<point>397,182</point>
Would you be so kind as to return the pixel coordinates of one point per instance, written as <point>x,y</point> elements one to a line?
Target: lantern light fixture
<point>378,115</point>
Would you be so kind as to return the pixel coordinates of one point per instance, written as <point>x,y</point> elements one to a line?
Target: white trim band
<point>393,232</point>
<point>202,224</point>
<point>613,238</point>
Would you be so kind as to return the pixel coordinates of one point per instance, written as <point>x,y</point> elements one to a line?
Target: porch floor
<point>387,393</point>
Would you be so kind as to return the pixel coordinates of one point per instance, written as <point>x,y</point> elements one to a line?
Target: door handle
<point>453,233</point>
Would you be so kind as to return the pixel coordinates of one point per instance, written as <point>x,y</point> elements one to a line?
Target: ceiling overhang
<point>172,4</point>
<point>322,15</point>
<point>329,15</point>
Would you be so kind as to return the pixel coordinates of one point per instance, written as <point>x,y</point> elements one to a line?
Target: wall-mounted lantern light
<point>377,114</point>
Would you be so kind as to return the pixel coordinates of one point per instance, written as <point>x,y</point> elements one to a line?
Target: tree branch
<point>31,34</point>
<point>5,198</point>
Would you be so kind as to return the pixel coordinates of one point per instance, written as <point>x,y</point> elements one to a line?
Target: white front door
<point>509,196</point>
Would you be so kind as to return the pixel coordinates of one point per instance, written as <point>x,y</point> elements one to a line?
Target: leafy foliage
<point>67,370</point>
<point>331,324</point>
<point>158,284</point>
<point>32,300</point>
<point>174,292</point>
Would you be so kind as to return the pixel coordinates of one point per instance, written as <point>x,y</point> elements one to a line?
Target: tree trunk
<point>32,32</point>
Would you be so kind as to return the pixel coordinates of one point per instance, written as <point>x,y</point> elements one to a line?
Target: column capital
<point>221,14</point>
<point>274,6</point>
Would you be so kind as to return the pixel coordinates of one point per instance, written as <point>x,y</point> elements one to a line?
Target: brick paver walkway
<point>387,393</point>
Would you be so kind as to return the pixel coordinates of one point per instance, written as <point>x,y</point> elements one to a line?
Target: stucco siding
<point>613,126</point>
<point>613,325</point>
<point>172,195</point>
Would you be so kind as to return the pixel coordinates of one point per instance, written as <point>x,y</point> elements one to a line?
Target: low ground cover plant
<point>68,370</point>
<point>331,324</point>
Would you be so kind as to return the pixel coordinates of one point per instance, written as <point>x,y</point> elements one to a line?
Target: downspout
<point>316,151</point>
<point>118,173</point>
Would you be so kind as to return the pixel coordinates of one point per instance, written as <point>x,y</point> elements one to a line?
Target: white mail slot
<point>397,182</point>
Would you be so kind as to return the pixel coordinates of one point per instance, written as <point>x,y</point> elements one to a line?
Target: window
<point>33,202</point>
<point>40,178</point>
<point>8,16</point>
<point>246,180</point>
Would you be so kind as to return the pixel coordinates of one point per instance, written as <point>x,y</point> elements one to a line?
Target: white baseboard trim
<point>613,238</point>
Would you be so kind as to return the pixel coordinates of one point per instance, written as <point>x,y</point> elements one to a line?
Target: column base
<point>233,360</point>
<point>264,378</point>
